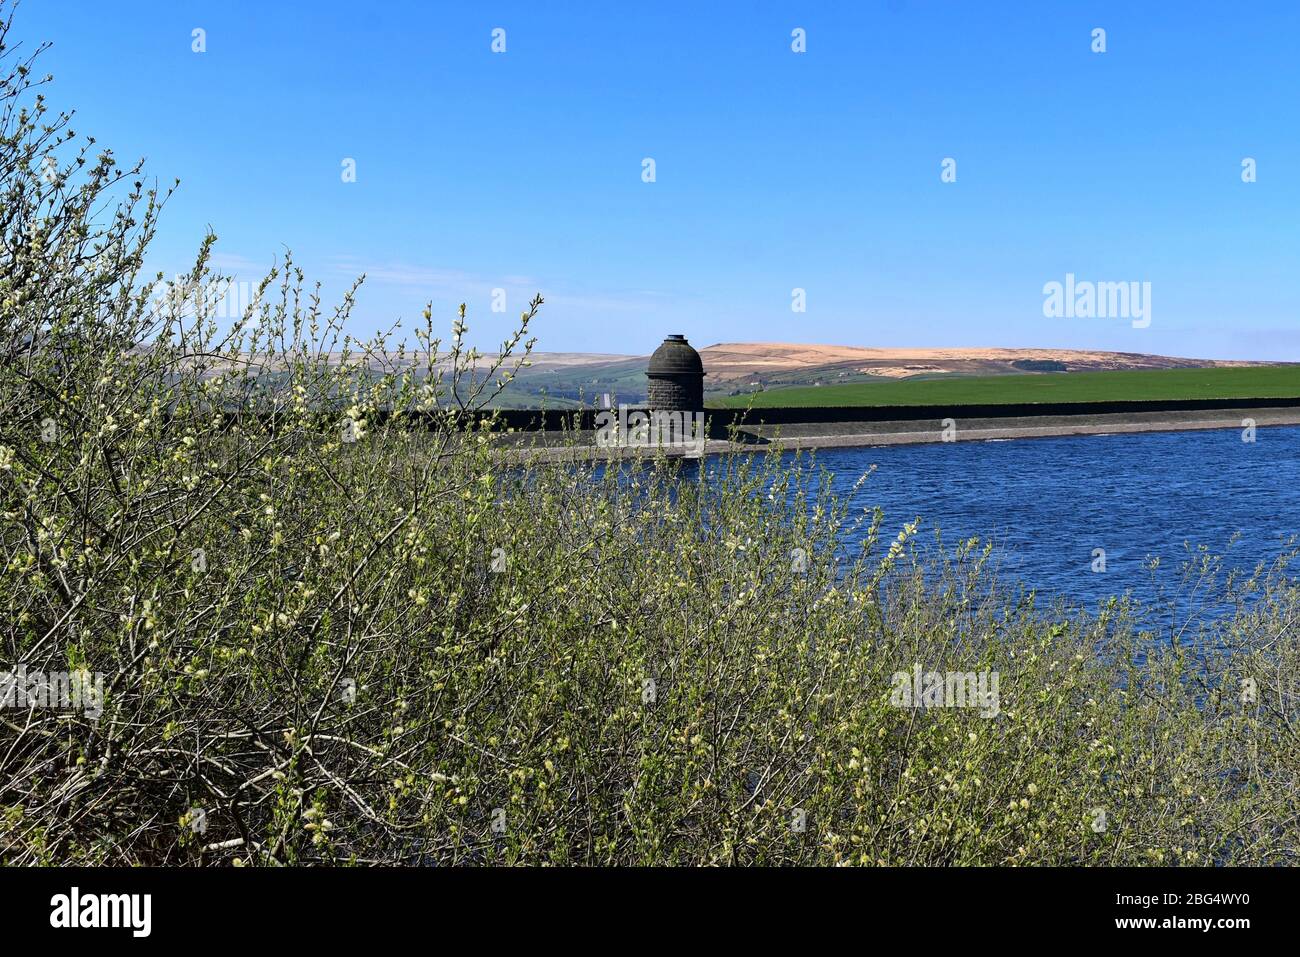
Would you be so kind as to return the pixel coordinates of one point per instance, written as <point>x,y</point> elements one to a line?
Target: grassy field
<point>1262,382</point>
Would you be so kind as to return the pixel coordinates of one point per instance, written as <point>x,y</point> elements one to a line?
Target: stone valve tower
<point>676,377</point>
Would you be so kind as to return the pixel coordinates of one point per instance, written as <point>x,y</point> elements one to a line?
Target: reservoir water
<point>1047,504</point>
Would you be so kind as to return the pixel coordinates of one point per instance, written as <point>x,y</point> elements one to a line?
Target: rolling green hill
<point>1260,382</point>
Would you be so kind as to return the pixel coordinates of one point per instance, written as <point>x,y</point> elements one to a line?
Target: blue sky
<point>774,170</point>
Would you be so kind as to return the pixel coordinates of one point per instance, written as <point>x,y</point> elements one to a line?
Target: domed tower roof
<point>675,357</point>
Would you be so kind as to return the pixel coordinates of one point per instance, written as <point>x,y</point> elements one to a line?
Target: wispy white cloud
<point>237,264</point>
<point>430,280</point>
<point>629,302</point>
<point>449,283</point>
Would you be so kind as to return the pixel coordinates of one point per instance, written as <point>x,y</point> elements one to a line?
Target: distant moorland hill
<point>570,379</point>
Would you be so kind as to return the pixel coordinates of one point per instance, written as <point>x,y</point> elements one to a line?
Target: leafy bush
<point>338,623</point>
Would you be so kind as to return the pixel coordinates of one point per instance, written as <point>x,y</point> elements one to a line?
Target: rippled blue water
<point>1048,503</point>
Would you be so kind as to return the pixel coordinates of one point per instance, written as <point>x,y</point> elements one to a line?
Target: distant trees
<point>1039,365</point>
